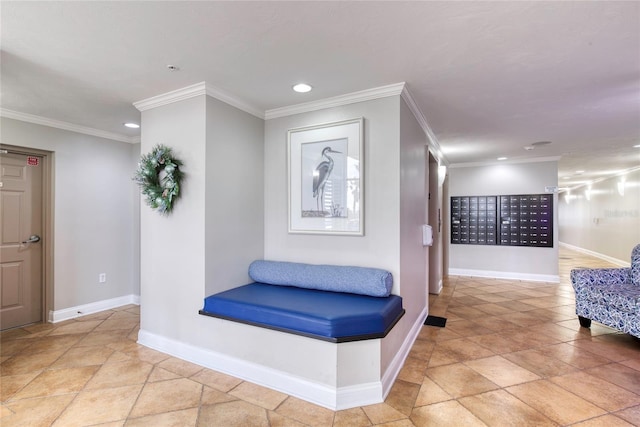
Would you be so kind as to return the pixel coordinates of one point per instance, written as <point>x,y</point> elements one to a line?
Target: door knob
<point>32,239</point>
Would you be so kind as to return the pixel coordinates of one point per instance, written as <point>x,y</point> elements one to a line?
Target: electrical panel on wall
<point>513,220</point>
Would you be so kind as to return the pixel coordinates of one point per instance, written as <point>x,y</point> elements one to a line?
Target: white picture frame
<point>325,176</point>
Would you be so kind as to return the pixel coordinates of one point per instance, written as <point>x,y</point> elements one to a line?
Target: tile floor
<point>512,354</point>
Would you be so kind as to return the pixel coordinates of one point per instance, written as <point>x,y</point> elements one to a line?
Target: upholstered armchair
<point>610,296</point>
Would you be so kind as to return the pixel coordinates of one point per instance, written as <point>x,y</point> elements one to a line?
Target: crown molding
<point>504,162</point>
<point>44,121</point>
<point>434,145</point>
<point>171,97</point>
<point>202,88</point>
<point>336,101</point>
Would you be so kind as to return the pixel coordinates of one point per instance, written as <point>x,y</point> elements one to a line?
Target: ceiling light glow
<point>132,125</point>
<point>502,158</point>
<point>302,88</point>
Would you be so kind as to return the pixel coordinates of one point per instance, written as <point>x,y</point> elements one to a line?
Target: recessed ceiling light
<point>579,172</point>
<point>132,125</point>
<point>173,68</point>
<point>302,88</point>
<point>502,158</point>
<point>636,146</point>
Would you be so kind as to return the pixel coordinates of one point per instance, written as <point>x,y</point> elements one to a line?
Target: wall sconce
<point>442,174</point>
<point>621,186</point>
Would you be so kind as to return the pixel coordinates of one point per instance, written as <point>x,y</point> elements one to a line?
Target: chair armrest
<point>581,277</point>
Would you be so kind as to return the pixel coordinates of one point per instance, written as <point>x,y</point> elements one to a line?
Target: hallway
<point>512,354</point>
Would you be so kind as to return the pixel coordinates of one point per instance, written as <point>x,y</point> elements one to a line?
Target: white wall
<point>607,224</point>
<point>215,230</point>
<point>94,230</point>
<point>527,263</point>
<point>394,201</point>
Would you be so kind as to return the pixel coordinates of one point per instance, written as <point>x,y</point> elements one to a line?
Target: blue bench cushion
<point>330,316</point>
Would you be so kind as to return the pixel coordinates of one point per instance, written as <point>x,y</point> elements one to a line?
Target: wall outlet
<point>102,278</point>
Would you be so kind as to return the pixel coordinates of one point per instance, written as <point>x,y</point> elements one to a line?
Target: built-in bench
<point>331,303</point>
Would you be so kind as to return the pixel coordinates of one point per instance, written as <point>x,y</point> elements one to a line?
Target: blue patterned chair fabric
<point>610,296</point>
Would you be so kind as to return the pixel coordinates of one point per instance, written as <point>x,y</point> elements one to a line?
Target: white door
<point>21,247</point>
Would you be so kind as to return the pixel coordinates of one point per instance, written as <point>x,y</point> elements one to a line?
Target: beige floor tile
<point>555,402</point>
<point>445,414</point>
<point>633,363</point>
<point>180,367</point>
<point>98,338</point>
<point>574,356</point>
<point>83,356</point>
<point>400,423</point>
<point>305,412</point>
<point>277,420</point>
<point>159,374</point>
<point>458,350</point>
<point>36,412</point>
<point>11,384</point>
<point>499,408</point>
<point>216,380</point>
<point>631,415</point>
<point>539,363</point>
<point>413,370</point>
<point>164,396</point>
<point>27,363</point>
<point>119,374</point>
<point>182,418</point>
<point>54,343</point>
<point>402,396</point>
<point>258,395</point>
<point>467,328</point>
<point>76,328</point>
<point>604,421</point>
<point>212,396</point>
<point>498,343</point>
<point>89,407</point>
<point>500,371</point>
<point>597,391</point>
<point>9,348</point>
<point>57,381</point>
<point>147,354</point>
<point>383,413</point>
<point>623,376</point>
<point>351,418</point>
<point>459,380</point>
<point>422,349</point>
<point>233,414</point>
<point>102,315</point>
<point>430,392</point>
<point>112,324</point>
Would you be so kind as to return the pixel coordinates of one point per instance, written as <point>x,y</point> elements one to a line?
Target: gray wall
<point>94,197</point>
<point>607,224</point>
<point>525,263</point>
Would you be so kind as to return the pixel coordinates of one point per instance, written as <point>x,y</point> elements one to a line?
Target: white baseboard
<point>390,375</point>
<point>336,399</point>
<point>612,260</point>
<point>94,307</point>
<point>550,278</point>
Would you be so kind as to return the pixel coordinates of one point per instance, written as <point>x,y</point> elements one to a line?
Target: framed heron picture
<point>326,178</point>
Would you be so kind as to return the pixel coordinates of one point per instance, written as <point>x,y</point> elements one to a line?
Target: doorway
<point>24,209</point>
<point>435,220</point>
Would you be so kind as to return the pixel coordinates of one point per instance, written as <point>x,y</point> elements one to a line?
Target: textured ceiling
<point>490,77</point>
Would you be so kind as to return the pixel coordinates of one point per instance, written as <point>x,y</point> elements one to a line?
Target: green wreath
<point>159,178</point>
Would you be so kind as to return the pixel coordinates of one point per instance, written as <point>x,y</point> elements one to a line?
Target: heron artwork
<point>321,175</point>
